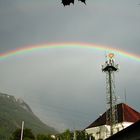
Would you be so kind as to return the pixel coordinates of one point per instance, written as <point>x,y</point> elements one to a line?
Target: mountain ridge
<point>13,111</point>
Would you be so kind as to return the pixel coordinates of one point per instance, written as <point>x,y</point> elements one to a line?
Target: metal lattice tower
<point>111,115</point>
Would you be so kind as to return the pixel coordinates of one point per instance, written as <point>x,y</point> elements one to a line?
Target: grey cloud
<point>65,87</point>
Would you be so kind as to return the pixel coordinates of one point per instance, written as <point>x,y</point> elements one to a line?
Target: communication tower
<point>111,115</point>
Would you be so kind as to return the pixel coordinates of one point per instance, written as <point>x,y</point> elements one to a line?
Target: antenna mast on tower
<point>110,68</point>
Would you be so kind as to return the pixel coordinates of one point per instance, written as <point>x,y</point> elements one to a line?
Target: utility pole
<point>75,136</point>
<point>111,115</point>
<point>125,96</point>
<point>22,128</point>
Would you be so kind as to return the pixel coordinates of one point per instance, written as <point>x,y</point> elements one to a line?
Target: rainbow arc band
<point>30,49</point>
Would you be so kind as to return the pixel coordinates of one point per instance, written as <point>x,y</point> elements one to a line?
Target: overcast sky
<point>65,87</point>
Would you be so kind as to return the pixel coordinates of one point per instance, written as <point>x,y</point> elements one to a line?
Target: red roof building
<point>126,117</point>
<point>125,114</point>
<point>130,133</point>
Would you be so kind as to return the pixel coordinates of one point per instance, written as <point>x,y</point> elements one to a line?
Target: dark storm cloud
<point>34,22</point>
<point>66,87</point>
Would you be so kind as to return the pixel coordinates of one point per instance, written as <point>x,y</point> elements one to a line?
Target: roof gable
<point>125,114</point>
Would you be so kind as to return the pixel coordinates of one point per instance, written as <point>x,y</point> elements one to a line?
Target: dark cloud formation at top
<point>66,87</point>
<point>68,2</point>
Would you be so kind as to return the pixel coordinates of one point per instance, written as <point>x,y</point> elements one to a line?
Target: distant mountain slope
<point>12,112</point>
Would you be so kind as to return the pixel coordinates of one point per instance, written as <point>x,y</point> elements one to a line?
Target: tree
<point>44,137</point>
<point>67,135</point>
<point>27,134</point>
<point>68,2</point>
<point>76,135</point>
<point>81,135</point>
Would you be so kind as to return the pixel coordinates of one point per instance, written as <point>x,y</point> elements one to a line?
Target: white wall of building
<point>103,132</point>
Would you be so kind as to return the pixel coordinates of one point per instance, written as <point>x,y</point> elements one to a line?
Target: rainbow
<point>30,49</point>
